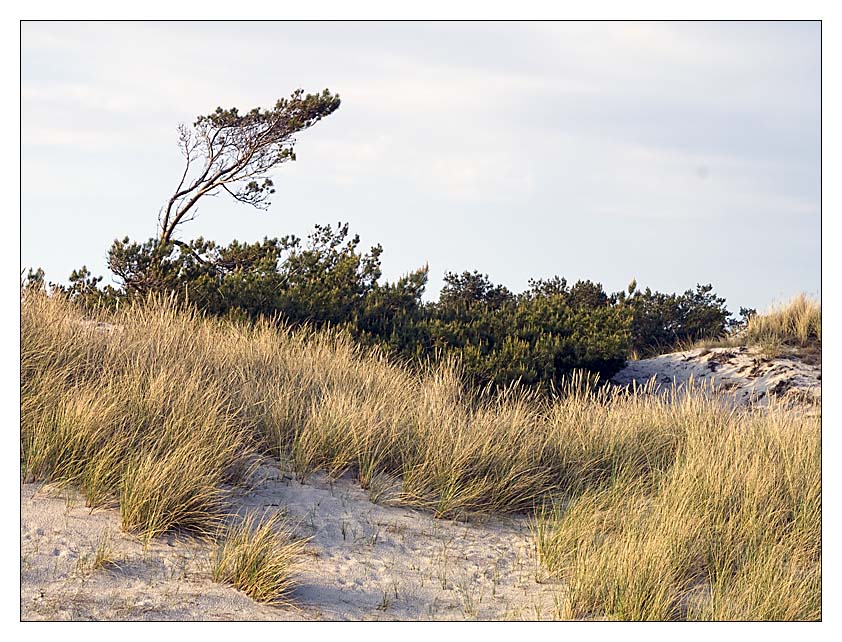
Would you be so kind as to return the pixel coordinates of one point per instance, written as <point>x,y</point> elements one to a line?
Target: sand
<point>364,561</point>
<point>744,374</point>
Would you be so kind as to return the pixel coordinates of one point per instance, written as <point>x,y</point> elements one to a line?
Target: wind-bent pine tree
<point>233,153</point>
<point>225,152</point>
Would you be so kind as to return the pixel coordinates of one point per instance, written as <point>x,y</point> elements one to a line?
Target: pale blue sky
<point>674,153</point>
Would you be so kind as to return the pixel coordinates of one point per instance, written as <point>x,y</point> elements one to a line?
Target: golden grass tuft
<point>798,322</point>
<point>136,418</point>
<point>795,326</point>
<point>177,489</point>
<point>103,556</point>
<point>258,559</point>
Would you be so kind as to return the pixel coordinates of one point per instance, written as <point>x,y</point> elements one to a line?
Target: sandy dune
<point>365,562</point>
<point>745,374</point>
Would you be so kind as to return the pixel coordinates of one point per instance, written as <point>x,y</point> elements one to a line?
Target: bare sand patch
<point>364,561</point>
<point>744,373</point>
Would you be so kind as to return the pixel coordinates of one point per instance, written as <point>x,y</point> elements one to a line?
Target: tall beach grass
<point>797,322</point>
<point>731,531</point>
<point>791,327</point>
<point>647,506</point>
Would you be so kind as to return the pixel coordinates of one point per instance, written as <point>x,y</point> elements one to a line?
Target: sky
<point>669,153</point>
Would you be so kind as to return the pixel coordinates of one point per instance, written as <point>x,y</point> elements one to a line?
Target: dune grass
<point>128,416</point>
<point>798,322</point>
<point>657,498</point>
<point>792,327</point>
<point>731,531</point>
<point>102,557</point>
<point>258,559</point>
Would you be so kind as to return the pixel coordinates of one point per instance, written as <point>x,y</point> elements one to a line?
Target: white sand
<point>364,562</point>
<point>744,373</point>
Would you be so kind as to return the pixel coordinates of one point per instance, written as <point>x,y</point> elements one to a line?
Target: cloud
<point>545,124</point>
